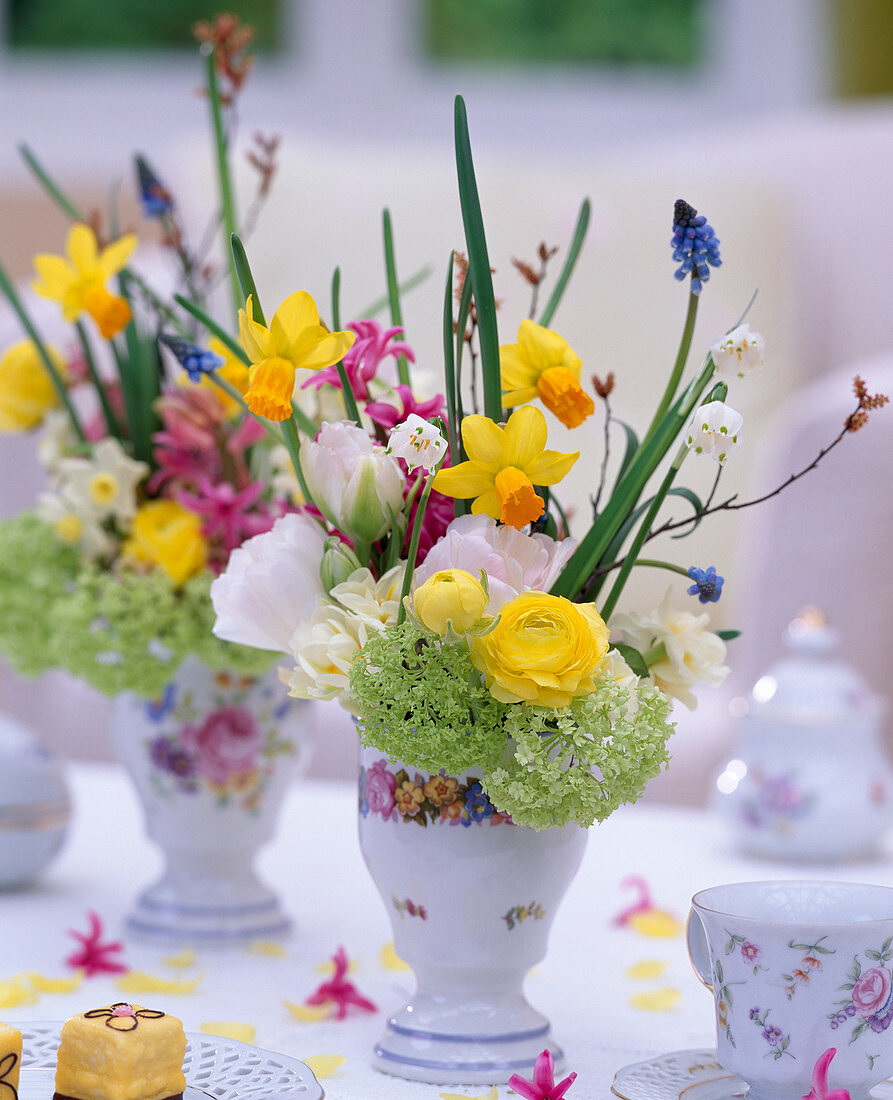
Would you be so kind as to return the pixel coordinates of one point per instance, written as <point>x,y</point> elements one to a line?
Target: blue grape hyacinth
<point>707,586</point>
<point>154,196</point>
<point>194,360</point>
<point>695,245</point>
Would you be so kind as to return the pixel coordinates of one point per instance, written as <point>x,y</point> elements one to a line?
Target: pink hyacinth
<point>95,956</point>
<point>543,1086</point>
<point>388,416</point>
<point>227,511</point>
<point>187,447</point>
<point>339,991</point>
<point>361,363</point>
<point>820,1090</point>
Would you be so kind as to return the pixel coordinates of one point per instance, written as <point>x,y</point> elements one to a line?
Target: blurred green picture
<point>607,32</point>
<point>134,25</point>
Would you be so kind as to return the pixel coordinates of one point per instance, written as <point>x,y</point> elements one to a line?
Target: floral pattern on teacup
<point>870,990</point>
<point>228,750</point>
<point>408,907</point>
<point>723,1000</point>
<point>777,1040</point>
<point>809,962</point>
<point>437,799</point>
<point>519,913</point>
<point>749,952</point>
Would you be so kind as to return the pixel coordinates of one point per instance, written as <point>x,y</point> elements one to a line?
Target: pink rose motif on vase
<point>381,785</point>
<point>225,745</point>
<point>872,998</point>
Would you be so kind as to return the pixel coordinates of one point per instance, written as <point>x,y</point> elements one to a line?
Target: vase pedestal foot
<point>208,914</point>
<point>461,1039</point>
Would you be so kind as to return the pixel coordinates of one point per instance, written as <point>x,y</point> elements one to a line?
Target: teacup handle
<point>698,951</point>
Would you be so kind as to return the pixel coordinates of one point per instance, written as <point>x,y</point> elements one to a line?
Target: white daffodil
<point>418,443</point>
<point>693,653</point>
<point>356,484</point>
<point>738,353</point>
<point>715,429</point>
<point>324,646</point>
<point>105,483</point>
<point>72,526</point>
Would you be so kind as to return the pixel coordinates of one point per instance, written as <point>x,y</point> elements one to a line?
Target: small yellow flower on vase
<point>504,465</point>
<point>77,281</point>
<point>542,364</point>
<point>168,536</point>
<point>26,392</point>
<point>295,339</point>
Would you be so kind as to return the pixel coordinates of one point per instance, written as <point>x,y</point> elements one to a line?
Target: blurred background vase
<point>471,898</point>
<point>211,760</point>
<point>810,779</point>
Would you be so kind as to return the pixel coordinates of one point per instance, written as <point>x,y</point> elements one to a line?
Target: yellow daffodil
<point>78,282</point>
<point>542,364</point>
<point>294,340</point>
<point>503,466</point>
<point>166,535</point>
<point>26,391</point>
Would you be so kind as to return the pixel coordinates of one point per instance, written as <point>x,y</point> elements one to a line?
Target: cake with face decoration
<point>121,1052</point>
<point>10,1061</point>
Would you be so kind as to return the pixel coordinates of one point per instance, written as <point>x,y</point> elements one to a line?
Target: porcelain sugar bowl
<point>810,779</point>
<point>34,805</point>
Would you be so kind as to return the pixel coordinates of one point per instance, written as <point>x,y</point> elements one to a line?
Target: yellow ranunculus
<point>451,596</point>
<point>166,535</point>
<point>26,392</point>
<point>544,650</point>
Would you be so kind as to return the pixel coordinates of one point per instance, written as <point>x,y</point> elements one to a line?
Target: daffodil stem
<point>245,280</point>
<point>336,299</point>
<point>230,390</point>
<point>9,292</point>
<point>49,185</point>
<point>393,290</point>
<point>224,181</point>
<point>570,262</point>
<point>641,535</point>
<point>678,367</point>
<point>404,288</point>
<point>107,413</point>
<point>350,402</point>
<point>414,546</point>
<point>290,435</point>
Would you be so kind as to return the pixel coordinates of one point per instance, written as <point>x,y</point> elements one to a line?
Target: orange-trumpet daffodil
<point>542,364</point>
<point>77,282</point>
<point>295,339</point>
<point>503,466</point>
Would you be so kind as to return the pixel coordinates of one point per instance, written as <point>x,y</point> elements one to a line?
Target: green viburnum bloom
<point>423,702</point>
<point>580,762</point>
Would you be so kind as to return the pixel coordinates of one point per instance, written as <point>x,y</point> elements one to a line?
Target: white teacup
<point>797,968</point>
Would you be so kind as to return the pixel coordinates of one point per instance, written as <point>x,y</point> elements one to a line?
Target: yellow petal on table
<point>185,958</point>
<point>655,922</point>
<point>491,1095</point>
<point>390,960</point>
<point>14,992</point>
<point>266,947</point>
<point>659,1000</point>
<point>42,984</point>
<point>647,968</point>
<point>324,1065</point>
<point>138,981</point>
<point>308,1014</point>
<point>229,1029</point>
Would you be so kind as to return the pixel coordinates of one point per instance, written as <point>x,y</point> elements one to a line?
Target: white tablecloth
<point>315,865</point>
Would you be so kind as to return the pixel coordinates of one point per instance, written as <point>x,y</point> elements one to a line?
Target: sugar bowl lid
<point>32,780</point>
<point>811,686</point>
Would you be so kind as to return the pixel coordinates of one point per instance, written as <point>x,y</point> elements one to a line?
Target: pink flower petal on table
<point>820,1090</point>
<point>543,1086</point>
<point>339,990</point>
<point>94,956</point>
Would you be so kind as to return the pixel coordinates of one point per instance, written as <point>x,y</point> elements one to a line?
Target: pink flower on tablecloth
<point>380,787</point>
<point>872,990</point>
<point>543,1086</point>
<point>339,991</point>
<point>94,956</point>
<point>820,1090</point>
<point>226,743</point>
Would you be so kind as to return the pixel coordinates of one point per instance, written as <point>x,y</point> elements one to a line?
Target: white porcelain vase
<point>211,760</point>
<point>471,898</point>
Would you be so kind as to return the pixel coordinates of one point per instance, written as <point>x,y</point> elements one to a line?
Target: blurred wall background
<point>770,116</point>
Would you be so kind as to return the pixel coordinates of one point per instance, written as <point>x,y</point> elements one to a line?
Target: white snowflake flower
<point>418,443</point>
<point>715,429</point>
<point>738,353</point>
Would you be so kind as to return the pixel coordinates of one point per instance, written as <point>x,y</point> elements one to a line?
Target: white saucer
<point>691,1075</point>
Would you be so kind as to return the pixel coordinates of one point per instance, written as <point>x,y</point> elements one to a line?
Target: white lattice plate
<point>223,1069</point>
<point>691,1075</point>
